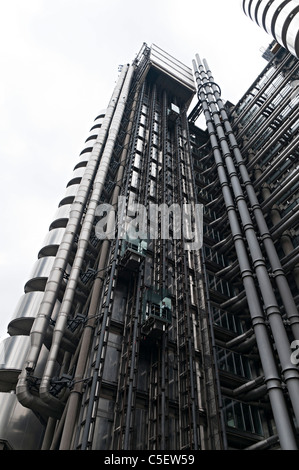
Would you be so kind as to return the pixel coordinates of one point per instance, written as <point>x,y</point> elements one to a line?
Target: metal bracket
<point>208,83</point>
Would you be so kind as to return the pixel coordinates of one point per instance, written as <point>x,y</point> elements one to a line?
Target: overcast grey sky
<point>59,65</point>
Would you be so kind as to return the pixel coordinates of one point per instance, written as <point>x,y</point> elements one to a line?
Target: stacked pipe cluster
<point>15,347</point>
<point>38,331</point>
<point>263,306</point>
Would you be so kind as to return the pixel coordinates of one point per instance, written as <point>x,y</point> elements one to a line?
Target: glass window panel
<point>256,421</point>
<point>230,362</point>
<point>139,430</point>
<point>247,418</point>
<point>137,160</point>
<point>152,189</point>
<point>246,368</point>
<point>142,376</point>
<point>141,131</point>
<point>224,320</point>
<point>211,280</point>
<point>173,432</point>
<point>139,145</point>
<point>222,359</point>
<point>239,415</point>
<point>134,182</point>
<point>110,372</point>
<point>238,365</point>
<point>103,424</point>
<point>229,413</point>
<point>154,153</point>
<point>154,169</point>
<point>242,416</point>
<point>236,324</point>
<point>231,322</point>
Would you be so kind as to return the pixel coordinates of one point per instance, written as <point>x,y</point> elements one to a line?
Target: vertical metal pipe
<point>279,276</point>
<point>50,428</point>
<point>87,226</point>
<point>96,368</point>
<point>222,431</point>
<point>164,261</point>
<point>76,392</point>
<point>188,319</point>
<point>277,91</point>
<point>272,378</point>
<point>78,381</point>
<point>133,365</point>
<point>275,137</point>
<point>126,444</point>
<point>105,314</point>
<point>289,370</point>
<point>33,402</point>
<point>273,118</point>
<point>290,181</point>
<point>278,69</point>
<point>56,275</point>
<point>163,388</point>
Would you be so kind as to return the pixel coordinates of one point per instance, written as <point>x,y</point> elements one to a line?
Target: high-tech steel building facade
<point>118,353</point>
<point>144,340</point>
<point>251,250</point>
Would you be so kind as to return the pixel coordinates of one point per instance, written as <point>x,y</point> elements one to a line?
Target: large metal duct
<point>279,18</point>
<point>208,94</point>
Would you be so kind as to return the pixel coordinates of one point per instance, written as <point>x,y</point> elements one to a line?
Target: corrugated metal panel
<point>172,66</point>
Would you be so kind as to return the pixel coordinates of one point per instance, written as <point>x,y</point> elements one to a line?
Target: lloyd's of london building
<point>140,341</point>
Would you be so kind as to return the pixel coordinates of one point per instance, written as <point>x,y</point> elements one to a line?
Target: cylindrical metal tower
<point>279,18</point>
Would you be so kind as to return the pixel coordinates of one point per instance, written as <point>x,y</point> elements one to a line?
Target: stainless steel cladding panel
<point>61,216</point>
<point>250,8</point>
<point>293,35</point>
<point>40,273</point>
<point>246,7</point>
<point>271,16</point>
<point>89,143</point>
<point>261,12</point>
<point>26,311</point>
<point>51,242</point>
<point>82,161</point>
<point>280,24</point>
<point>76,176</point>
<point>19,427</point>
<point>13,354</point>
<point>280,18</point>
<point>69,195</point>
<point>171,66</point>
<point>13,351</point>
